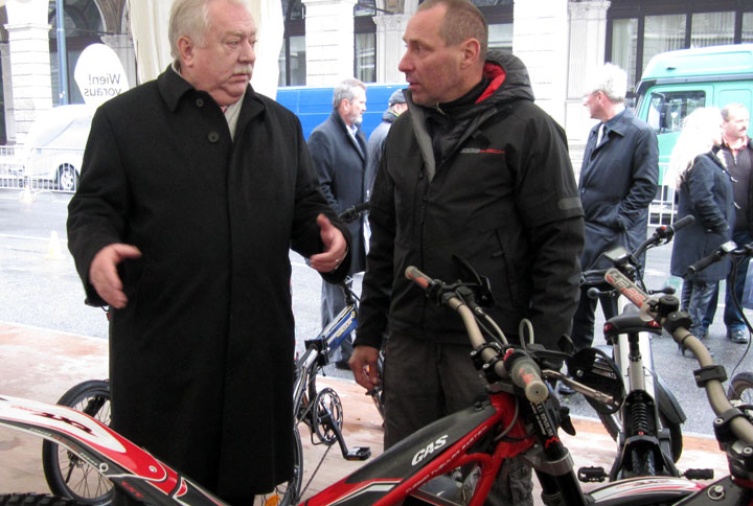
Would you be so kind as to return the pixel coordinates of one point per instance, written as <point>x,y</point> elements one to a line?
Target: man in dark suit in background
<point>338,147</point>
<point>618,181</point>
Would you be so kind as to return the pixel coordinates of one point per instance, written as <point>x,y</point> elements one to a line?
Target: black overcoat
<point>340,161</point>
<point>705,194</point>
<point>201,359</point>
<point>618,181</point>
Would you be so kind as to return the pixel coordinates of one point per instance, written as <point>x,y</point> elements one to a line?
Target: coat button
<point>199,102</point>
<point>213,136</point>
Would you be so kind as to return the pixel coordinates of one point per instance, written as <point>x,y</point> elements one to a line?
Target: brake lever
<point>596,395</point>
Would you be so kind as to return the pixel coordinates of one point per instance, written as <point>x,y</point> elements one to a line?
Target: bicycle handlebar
<point>621,258</point>
<point>517,365</point>
<point>664,234</point>
<point>740,426</point>
<point>728,248</point>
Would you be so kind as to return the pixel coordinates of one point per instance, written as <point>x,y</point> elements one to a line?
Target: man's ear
<point>471,49</point>
<point>185,50</point>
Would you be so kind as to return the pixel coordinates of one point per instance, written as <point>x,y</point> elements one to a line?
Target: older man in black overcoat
<point>193,190</point>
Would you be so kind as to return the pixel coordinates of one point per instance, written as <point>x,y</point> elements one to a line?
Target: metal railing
<point>40,169</point>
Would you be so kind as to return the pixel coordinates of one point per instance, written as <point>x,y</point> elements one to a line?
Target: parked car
<point>54,147</point>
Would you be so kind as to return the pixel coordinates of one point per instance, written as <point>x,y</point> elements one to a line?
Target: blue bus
<point>313,105</point>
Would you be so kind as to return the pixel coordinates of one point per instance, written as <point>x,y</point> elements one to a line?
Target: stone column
<point>389,46</point>
<point>10,121</point>
<point>588,27</point>
<point>540,40</point>
<point>28,39</point>
<point>329,41</point>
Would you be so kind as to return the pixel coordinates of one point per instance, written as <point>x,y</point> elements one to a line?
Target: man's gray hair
<point>733,106</point>
<point>610,80</point>
<point>191,18</point>
<point>344,91</point>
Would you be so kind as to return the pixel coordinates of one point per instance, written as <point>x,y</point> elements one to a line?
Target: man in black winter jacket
<point>473,169</point>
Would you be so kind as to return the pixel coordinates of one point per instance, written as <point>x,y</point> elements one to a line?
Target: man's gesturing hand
<point>103,273</point>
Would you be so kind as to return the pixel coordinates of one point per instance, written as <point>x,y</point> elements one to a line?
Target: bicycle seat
<point>630,322</point>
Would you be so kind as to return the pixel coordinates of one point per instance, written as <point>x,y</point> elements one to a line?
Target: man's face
<point>736,125</point>
<point>594,103</point>
<point>352,111</point>
<point>432,69</point>
<point>223,64</point>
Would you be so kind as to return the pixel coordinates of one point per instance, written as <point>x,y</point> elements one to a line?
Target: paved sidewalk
<point>40,364</point>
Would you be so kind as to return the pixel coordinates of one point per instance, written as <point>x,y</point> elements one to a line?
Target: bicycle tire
<point>741,388</point>
<point>643,462</point>
<point>289,493</point>
<point>66,474</point>
<point>37,500</point>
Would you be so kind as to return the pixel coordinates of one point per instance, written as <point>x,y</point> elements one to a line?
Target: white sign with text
<point>99,74</point>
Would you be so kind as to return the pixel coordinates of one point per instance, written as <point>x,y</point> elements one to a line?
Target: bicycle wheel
<point>741,388</point>
<point>36,500</point>
<point>643,462</point>
<point>66,474</point>
<point>289,493</point>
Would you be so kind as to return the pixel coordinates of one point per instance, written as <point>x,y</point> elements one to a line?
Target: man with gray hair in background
<point>618,181</point>
<point>338,147</point>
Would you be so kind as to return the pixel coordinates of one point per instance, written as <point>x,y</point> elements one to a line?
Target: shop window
<point>712,29</point>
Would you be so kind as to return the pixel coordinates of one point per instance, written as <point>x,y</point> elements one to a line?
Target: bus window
<point>667,110</point>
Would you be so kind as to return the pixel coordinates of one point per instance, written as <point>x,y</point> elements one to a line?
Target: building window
<point>293,53</point>
<point>747,28</point>
<point>293,62</point>
<point>712,29</point>
<point>366,57</point>
<point>639,29</point>
<point>663,33</point>
<point>625,46</point>
<point>364,40</point>
<point>500,36</point>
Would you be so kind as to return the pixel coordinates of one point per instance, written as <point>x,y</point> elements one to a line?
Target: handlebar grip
<point>593,293</point>
<point>525,373</point>
<point>418,277</point>
<point>705,262</point>
<point>683,222</point>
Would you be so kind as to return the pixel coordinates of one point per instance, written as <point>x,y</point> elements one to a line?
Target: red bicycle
<point>452,461</point>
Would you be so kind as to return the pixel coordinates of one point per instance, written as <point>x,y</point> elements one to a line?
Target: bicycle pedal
<point>358,453</point>
<point>591,474</point>
<point>699,474</point>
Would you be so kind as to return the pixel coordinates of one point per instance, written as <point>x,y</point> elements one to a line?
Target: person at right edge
<point>475,169</point>
<point>618,180</point>
<point>737,151</point>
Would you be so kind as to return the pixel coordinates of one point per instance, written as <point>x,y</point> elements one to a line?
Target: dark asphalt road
<point>39,287</point>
